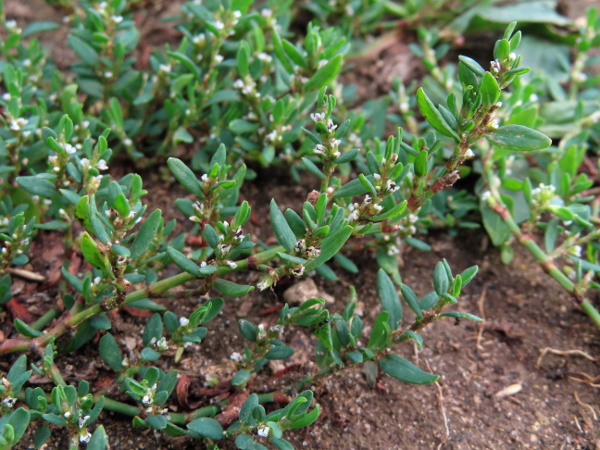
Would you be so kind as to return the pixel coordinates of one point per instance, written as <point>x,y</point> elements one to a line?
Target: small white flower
<point>469,154</point>
<point>231,264</point>
<point>6,96</point>
<point>237,14</point>
<point>147,400</point>
<point>218,59</point>
<point>85,162</point>
<point>393,250</point>
<point>11,25</point>
<point>199,39</point>
<point>264,57</point>
<point>319,149</point>
<point>101,165</point>
<point>279,329</point>
<point>317,117</point>
<point>486,195</point>
<point>263,431</point>
<point>117,19</point>
<point>353,216</point>
<point>162,344</point>
<point>108,74</point>
<point>298,271</point>
<point>83,420</point>
<point>184,321</point>
<point>85,436</point>
<point>391,186</point>
<point>575,251</point>
<point>127,142</point>
<point>165,68</point>
<point>235,356</point>
<point>265,283</point>
<point>27,62</point>
<point>9,402</point>
<point>97,280</point>
<point>261,333</point>
<point>218,25</point>
<point>265,12</point>
<point>322,63</point>
<point>378,207</point>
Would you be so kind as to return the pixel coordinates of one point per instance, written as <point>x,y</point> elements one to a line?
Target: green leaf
<point>206,427</point>
<point>440,279</point>
<point>415,337</point>
<point>468,274</point>
<point>331,246</point>
<point>25,330</point>
<point>312,168</point>
<point>241,126</point>
<point>42,433</point>
<point>518,138</point>
<point>406,371</point>
<point>242,57</point>
<point>183,262</point>
<point>279,352</point>
<point>153,329</point>
<point>388,296</point>
<point>157,422</point>
<point>325,74</point>
<point>85,51</point>
<point>91,253</point>
<point>380,333</point>
<point>99,440</point>
<point>240,378</point>
<point>110,352</point>
<point>146,233</point>
<point>433,116</point>
<point>489,89</point>
<point>307,420</point>
<point>230,288</point>
<point>247,329</point>
<point>461,315</point>
<point>185,176</point>
<point>37,186</point>
<point>185,61</point>
<point>294,54</point>
<point>39,27</point>
<point>19,420</point>
<point>411,298</point>
<point>182,135</point>
<point>52,225</point>
<point>284,234</point>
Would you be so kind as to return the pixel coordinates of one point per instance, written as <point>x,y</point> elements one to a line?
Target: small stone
<point>509,390</point>
<point>305,290</point>
<point>244,309</point>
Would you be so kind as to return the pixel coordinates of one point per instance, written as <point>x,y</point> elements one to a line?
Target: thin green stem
<point>541,257</point>
<point>45,319</point>
<point>22,345</point>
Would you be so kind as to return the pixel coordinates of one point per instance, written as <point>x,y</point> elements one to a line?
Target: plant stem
<point>69,322</point>
<point>541,257</point>
<point>45,319</point>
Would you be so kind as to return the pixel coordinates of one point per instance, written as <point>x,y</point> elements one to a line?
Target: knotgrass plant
<point>239,89</point>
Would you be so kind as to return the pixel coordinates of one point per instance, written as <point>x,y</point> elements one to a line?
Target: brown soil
<point>525,312</point>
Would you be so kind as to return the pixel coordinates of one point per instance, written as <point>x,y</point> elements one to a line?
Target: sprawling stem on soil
<point>545,261</point>
<point>64,325</point>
